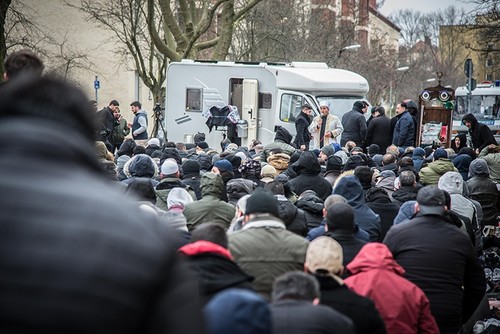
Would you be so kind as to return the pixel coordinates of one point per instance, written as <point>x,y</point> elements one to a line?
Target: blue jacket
<point>404,132</point>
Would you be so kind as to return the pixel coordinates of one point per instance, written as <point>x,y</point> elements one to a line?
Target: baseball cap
<point>431,200</point>
<point>324,256</point>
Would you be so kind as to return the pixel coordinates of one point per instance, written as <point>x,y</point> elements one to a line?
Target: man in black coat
<point>439,258</point>
<point>480,133</point>
<point>294,308</point>
<point>379,130</point>
<point>354,123</point>
<point>303,136</point>
<point>308,178</point>
<point>106,123</point>
<point>78,255</point>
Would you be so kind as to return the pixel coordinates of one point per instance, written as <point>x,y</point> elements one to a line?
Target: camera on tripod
<point>158,110</point>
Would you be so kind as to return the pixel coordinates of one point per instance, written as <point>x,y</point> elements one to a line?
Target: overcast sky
<point>421,5</point>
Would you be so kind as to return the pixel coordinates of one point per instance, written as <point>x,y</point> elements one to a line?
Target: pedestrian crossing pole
<point>97,85</point>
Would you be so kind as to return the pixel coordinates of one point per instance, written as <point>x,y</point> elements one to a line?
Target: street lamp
<point>349,47</point>
<point>391,97</point>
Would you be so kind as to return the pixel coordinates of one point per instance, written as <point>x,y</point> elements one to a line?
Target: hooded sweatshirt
<point>484,190</point>
<point>453,183</point>
<point>480,133</point>
<point>403,305</point>
<point>350,188</point>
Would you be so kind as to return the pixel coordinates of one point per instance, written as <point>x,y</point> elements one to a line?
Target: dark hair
<point>113,103</point>
<point>403,104</point>
<point>23,61</point>
<point>136,104</point>
<point>381,110</point>
<point>212,232</point>
<point>275,187</point>
<point>139,150</point>
<point>143,188</point>
<point>406,161</point>
<point>295,285</point>
<point>41,98</point>
<point>364,174</point>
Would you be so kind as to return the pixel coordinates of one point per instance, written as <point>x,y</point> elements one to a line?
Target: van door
<point>250,107</point>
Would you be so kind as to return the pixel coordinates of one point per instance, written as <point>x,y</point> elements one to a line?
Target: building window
<point>193,99</point>
<point>489,77</point>
<point>489,62</point>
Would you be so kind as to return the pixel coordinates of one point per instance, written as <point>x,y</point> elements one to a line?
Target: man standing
<point>120,130</point>
<point>303,136</point>
<point>404,131</point>
<point>439,258</point>
<point>354,124</point>
<point>106,123</point>
<point>325,128</point>
<point>480,133</point>
<point>140,124</point>
<point>379,130</point>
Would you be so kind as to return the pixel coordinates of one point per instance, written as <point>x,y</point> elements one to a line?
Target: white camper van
<point>266,96</point>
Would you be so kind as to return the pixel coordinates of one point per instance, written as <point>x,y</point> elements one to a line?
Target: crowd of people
<point>341,233</point>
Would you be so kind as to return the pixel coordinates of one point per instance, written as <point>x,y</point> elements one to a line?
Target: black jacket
<point>480,133</point>
<point>294,218</point>
<point>308,178</point>
<point>303,137</point>
<point>349,303</point>
<point>312,206</point>
<point>404,194</point>
<point>439,258</point>
<point>379,133</point>
<point>378,200</point>
<point>85,258</point>
<point>355,129</point>
<point>193,180</point>
<point>350,245</point>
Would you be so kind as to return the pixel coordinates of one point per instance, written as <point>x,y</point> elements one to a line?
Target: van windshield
<point>482,107</point>
<point>339,105</point>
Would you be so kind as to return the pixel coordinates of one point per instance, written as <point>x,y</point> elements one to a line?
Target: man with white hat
<point>325,128</point>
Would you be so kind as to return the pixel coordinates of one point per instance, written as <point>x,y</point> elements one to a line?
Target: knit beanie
<point>262,201</point>
<point>224,165</point>
<point>190,167</point>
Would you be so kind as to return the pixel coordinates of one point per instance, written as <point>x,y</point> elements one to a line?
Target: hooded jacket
<point>484,190</point>
<point>350,188</point>
<point>215,268</point>
<point>461,163</point>
<point>453,183</point>
<point>237,188</point>
<point>308,169</point>
<point>282,141</point>
<point>209,208</point>
<point>140,165</point>
<point>403,305</point>
<point>418,158</point>
<point>430,175</point>
<point>463,142</point>
<point>294,218</point>
<point>492,158</point>
<point>312,206</point>
<point>480,133</point>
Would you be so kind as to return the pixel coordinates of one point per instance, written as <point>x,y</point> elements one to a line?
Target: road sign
<point>97,84</point>
<point>468,68</point>
<point>471,84</point>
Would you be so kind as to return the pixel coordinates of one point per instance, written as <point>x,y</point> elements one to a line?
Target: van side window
<point>265,100</point>
<point>193,99</point>
<point>290,107</point>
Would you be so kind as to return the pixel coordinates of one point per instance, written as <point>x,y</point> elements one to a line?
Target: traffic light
<point>469,71</point>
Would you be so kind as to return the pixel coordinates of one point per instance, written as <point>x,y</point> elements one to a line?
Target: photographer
<point>106,123</point>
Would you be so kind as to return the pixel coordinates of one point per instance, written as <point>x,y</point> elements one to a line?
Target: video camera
<point>158,111</point>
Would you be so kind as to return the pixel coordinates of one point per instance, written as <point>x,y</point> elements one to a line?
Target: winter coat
<point>237,188</point>
<point>350,245</point>
<point>341,298</point>
<point>378,200</point>
<point>80,228</point>
<point>484,190</point>
<point>403,305</point>
<point>192,180</point>
<point>312,206</point>
<point>439,258</point>
<point>302,137</point>
<point>294,219</point>
<point>350,188</point>
<point>430,175</point>
<point>355,128</point>
<point>332,125</point>
<point>480,133</point>
<point>140,165</point>
<point>379,133</point>
<point>292,316</point>
<point>163,188</point>
<point>462,163</point>
<point>418,158</point>
<point>215,268</point>
<point>404,131</point>
<point>493,161</point>
<point>404,194</point>
<point>282,141</point>
<point>308,178</point>
<point>264,249</point>
<point>209,208</point>
<point>120,131</point>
